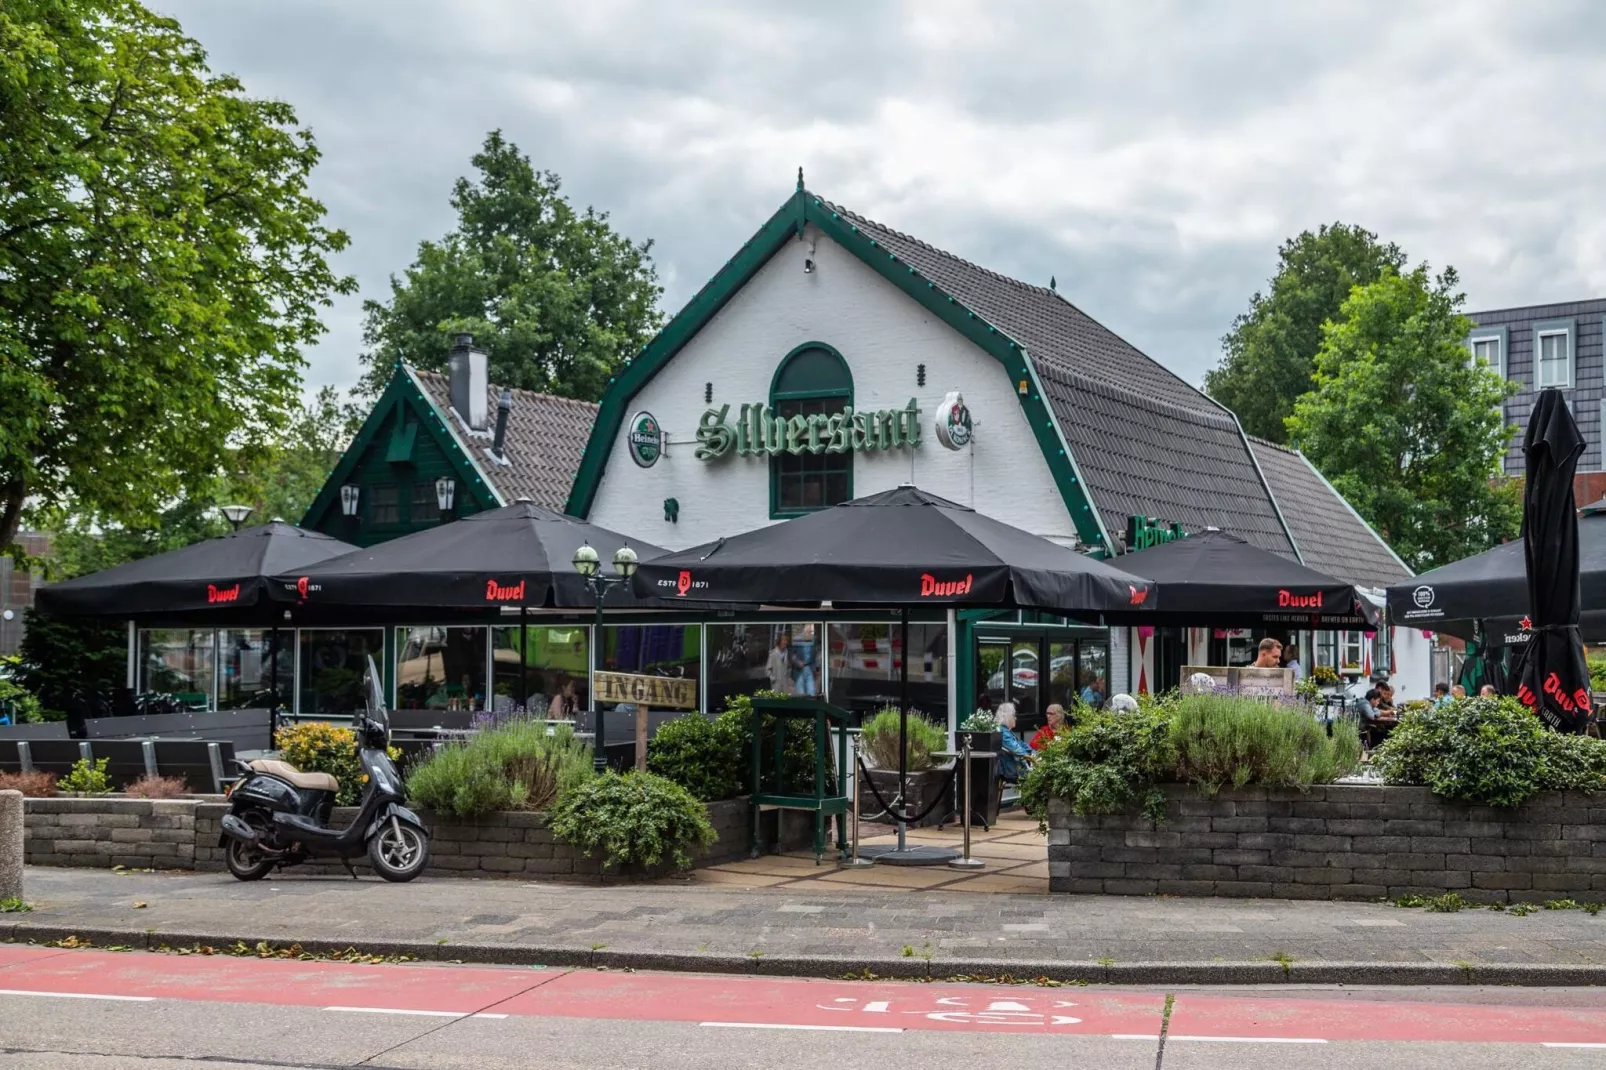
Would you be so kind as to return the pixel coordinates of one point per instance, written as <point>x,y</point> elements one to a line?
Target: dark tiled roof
<point>1047,326</point>
<point>1146,442</point>
<point>1144,457</point>
<point>1331,537</point>
<point>546,436</point>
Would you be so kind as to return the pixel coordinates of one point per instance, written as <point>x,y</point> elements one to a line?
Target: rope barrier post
<point>964,861</point>
<point>854,861</point>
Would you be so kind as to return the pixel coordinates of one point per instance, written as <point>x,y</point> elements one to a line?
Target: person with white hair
<point>1014,755</point>
<point>1123,703</point>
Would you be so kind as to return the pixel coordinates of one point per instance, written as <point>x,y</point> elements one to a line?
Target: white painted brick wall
<point>883,334</point>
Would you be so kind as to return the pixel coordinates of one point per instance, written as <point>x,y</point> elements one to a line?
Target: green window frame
<point>811,378</point>
<point>384,505</point>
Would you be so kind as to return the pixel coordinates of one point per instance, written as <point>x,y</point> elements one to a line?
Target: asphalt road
<point>100,1009</point>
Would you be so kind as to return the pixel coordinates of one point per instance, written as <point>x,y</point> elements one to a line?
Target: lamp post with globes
<point>588,563</point>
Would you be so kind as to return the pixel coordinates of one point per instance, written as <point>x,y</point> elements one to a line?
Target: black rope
<point>886,807</point>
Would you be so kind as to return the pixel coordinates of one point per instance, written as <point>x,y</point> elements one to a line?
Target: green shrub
<point>1597,674</point>
<point>517,765</point>
<point>16,701</point>
<point>797,753</point>
<point>701,755</point>
<point>320,747</point>
<point>1481,750</point>
<point>1103,764</point>
<point>1573,763</point>
<point>1233,740</point>
<point>88,777</point>
<point>980,721</point>
<point>632,819</point>
<point>880,735</point>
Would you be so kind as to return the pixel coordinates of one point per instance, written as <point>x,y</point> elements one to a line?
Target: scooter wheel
<point>399,852</point>
<point>246,862</point>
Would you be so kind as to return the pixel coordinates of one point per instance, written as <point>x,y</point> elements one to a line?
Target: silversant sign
<point>759,431</point>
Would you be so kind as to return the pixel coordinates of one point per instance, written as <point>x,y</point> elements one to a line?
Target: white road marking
<point>1228,1040</point>
<point>76,995</point>
<point>821,1028</point>
<point>426,1014</point>
<point>878,1006</point>
<point>1563,1044</point>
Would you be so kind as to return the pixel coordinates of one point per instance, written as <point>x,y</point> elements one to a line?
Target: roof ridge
<point>1274,445</point>
<point>516,389</point>
<point>955,257</point>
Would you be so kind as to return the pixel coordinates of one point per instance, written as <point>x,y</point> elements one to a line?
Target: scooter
<point>279,816</point>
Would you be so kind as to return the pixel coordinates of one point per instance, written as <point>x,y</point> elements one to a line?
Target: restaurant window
<point>744,658</point>
<point>1352,652</point>
<point>246,663</point>
<point>382,505</point>
<point>1079,668</point>
<point>544,669</point>
<point>1553,354</point>
<point>812,379</point>
<point>424,508</point>
<point>440,668</point>
<point>865,659</point>
<point>332,663</point>
<point>672,651</point>
<point>177,662</point>
<point>1327,649</point>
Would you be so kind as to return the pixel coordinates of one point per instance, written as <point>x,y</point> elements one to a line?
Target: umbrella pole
<point>903,730</point>
<point>524,667</point>
<point>273,673</point>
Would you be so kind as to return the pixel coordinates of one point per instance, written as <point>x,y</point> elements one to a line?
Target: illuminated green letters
<point>760,432</point>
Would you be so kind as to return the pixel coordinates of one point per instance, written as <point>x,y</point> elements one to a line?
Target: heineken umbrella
<point>1491,590</point>
<point>1552,677</point>
<point>521,555</point>
<point>227,576</point>
<point>896,549</point>
<point>1217,579</point>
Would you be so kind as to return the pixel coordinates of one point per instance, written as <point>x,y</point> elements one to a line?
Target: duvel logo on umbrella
<point>496,592</point>
<point>1290,600</point>
<point>1139,595</point>
<point>932,587</point>
<point>214,593</point>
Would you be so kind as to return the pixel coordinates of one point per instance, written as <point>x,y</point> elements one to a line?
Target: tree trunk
<point>13,493</point>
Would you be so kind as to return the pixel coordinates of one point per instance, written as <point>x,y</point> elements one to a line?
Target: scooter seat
<point>295,777</point>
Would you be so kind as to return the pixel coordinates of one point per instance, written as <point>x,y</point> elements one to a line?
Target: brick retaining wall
<point>183,834</point>
<point>1336,842</point>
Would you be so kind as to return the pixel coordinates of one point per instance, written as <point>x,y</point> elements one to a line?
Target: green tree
<point>161,262</point>
<point>1269,353</point>
<point>1407,428</point>
<point>557,298</point>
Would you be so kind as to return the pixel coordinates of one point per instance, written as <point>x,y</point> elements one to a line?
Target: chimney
<point>503,408</point>
<point>469,372</point>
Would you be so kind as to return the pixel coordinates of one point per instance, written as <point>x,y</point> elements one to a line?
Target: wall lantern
<point>445,492</point>
<point>236,514</point>
<point>350,495</point>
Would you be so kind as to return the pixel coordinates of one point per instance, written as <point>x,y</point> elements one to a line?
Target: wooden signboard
<point>645,692</point>
<point>1246,680</point>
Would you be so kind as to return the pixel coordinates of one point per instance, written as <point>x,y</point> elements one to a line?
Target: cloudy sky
<point>1150,155</point>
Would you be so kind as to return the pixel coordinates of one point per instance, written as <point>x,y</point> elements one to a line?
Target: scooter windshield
<point>374,696</point>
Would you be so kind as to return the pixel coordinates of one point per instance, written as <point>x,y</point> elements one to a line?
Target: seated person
<point>1014,757</point>
<point>1377,721</point>
<point>1488,691</point>
<point>1441,695</point>
<point>1458,692</point>
<point>1056,724</point>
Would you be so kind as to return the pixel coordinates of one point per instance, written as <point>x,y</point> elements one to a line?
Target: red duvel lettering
<point>496,592</point>
<point>932,587</point>
<point>215,593</point>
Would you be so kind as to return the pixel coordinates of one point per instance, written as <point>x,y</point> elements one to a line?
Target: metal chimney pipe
<point>503,408</point>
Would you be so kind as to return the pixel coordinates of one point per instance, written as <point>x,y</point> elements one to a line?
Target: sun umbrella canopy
<point>1552,677</point>
<point>222,574</point>
<point>519,555</point>
<point>1213,578</point>
<point>1493,587</point>
<point>902,547</point>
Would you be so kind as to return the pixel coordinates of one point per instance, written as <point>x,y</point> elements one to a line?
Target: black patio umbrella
<point>1490,590</point>
<point>521,555</point>
<point>1218,579</point>
<point>896,549</point>
<point>227,576</point>
<point>1552,677</point>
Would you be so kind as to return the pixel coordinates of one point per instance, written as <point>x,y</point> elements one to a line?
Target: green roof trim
<point>789,221</point>
<point>402,393</point>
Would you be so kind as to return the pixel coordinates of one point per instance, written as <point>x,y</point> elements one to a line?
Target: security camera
<point>808,265</point>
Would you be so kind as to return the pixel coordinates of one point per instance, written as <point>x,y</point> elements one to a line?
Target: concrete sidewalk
<point>824,932</point>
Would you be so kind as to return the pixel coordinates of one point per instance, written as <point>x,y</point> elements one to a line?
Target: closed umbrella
<point>1552,676</point>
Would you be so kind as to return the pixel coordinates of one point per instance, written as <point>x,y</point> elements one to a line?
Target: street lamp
<point>588,563</point>
<point>236,514</point>
<point>445,492</point>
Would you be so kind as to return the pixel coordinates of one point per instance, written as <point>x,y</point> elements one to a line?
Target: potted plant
<point>927,781</point>
<point>981,731</point>
<point>1326,678</point>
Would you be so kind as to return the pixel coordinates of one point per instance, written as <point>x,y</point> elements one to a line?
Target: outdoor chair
<point>55,755</point>
<point>126,759</point>
<point>47,730</point>
<point>204,764</point>
<point>10,758</point>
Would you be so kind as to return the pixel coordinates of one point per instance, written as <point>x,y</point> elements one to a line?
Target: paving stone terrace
<point>1336,842</point>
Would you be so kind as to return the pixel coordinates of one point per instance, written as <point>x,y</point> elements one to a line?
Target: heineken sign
<point>1143,532</point>
<point>645,439</point>
<point>759,431</point>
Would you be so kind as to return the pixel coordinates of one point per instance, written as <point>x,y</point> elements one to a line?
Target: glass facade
<point>247,660</point>
<point>544,670</point>
<point>177,662</point>
<point>865,661</point>
<point>439,668</point>
<point>331,666</point>
<point>773,656</point>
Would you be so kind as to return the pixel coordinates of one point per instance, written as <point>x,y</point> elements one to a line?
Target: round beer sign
<point>646,439</point>
<point>953,422</point>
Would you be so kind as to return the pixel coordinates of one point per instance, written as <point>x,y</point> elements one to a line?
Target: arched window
<point>813,378</point>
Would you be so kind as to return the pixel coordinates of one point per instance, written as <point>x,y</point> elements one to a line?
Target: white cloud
<point>1152,156</point>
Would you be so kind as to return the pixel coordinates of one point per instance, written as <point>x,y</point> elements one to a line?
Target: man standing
<point>779,666</point>
<point>1271,654</point>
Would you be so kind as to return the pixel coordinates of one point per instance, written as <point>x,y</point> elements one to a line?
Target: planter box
<point>1337,841</point>
<point>984,794</point>
<point>924,788</point>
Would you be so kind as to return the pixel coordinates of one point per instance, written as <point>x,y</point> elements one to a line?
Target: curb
<point>841,967</point>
